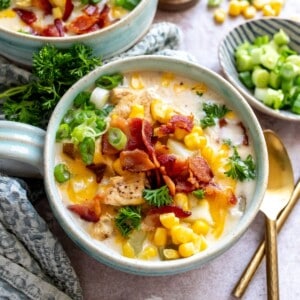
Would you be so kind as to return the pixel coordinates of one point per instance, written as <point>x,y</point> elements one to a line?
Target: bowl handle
<point>21,149</point>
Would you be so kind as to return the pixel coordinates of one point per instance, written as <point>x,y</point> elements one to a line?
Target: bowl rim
<point>81,37</point>
<point>117,261</point>
<point>280,114</point>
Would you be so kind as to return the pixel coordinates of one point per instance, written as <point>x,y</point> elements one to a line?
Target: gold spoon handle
<point>253,265</point>
<point>272,260</point>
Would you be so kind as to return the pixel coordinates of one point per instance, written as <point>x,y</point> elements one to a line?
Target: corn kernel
<point>148,253</point>
<point>259,4</point>
<point>23,3</point>
<point>234,8</point>
<point>268,11</point>
<point>160,237</point>
<point>180,133</point>
<point>219,15</point>
<point>249,12</point>
<point>161,111</point>
<point>231,115</point>
<point>187,249</point>
<point>168,220</point>
<point>200,243</point>
<point>8,13</point>
<point>198,130</point>
<point>136,82</point>
<point>277,6</point>
<point>128,250</point>
<point>167,79</point>
<point>208,153</point>
<point>57,12</point>
<point>194,141</point>
<point>201,226</point>
<point>182,200</point>
<point>200,88</point>
<point>181,234</point>
<point>244,4</point>
<point>137,111</point>
<point>170,254</point>
<point>118,12</point>
<point>117,167</point>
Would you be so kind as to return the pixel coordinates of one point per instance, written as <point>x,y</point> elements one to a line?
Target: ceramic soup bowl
<point>165,156</point>
<point>105,42</point>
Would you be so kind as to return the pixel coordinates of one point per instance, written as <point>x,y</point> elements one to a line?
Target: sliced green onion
<point>61,173</point>
<point>117,138</point>
<point>63,132</point>
<point>87,150</point>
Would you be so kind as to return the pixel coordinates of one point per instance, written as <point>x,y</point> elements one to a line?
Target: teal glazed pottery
<point>98,250</point>
<point>247,32</point>
<point>106,42</point>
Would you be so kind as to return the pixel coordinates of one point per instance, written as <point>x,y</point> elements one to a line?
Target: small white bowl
<point>106,42</point>
<point>248,31</point>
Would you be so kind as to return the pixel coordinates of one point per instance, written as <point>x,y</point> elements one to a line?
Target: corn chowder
<point>154,165</point>
<point>57,18</point>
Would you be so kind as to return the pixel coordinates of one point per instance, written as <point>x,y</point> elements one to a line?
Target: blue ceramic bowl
<point>97,249</point>
<point>248,32</point>
<point>106,42</point>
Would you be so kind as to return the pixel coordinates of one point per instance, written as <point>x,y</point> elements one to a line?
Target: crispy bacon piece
<point>136,161</point>
<point>106,147</point>
<point>174,167</point>
<point>200,169</point>
<point>69,150</point>
<point>176,121</point>
<point>68,10</point>
<point>245,135</point>
<point>82,24</point>
<point>135,140</point>
<point>43,5</point>
<point>178,211</point>
<point>103,20</point>
<point>26,16</point>
<point>98,169</point>
<point>85,212</point>
<point>222,122</point>
<point>183,186</point>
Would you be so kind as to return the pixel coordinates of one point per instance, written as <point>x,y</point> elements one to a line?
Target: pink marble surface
<point>216,279</point>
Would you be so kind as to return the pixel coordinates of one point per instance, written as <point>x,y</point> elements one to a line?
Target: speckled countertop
<point>216,279</point>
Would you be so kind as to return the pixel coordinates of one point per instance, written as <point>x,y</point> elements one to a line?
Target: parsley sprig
<point>241,169</point>
<point>54,71</point>
<point>213,111</point>
<point>158,197</point>
<point>128,219</point>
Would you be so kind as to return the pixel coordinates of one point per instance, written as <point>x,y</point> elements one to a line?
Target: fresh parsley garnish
<point>4,4</point>
<point>128,219</point>
<point>54,71</point>
<point>158,197</point>
<point>213,111</point>
<point>109,82</point>
<point>240,169</point>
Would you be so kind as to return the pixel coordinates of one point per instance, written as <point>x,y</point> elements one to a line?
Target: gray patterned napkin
<point>33,264</point>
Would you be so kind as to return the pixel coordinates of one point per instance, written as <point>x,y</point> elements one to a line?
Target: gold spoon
<point>251,268</point>
<point>279,190</point>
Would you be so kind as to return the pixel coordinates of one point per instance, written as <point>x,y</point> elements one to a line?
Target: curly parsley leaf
<point>4,4</point>
<point>54,72</point>
<point>213,112</point>
<point>158,197</point>
<point>128,219</point>
<point>240,169</point>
